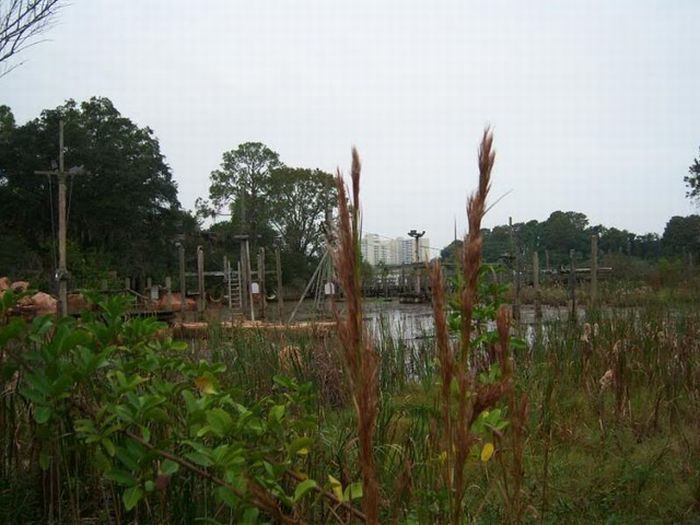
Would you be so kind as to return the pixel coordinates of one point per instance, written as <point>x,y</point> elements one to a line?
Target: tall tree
<point>241,184</point>
<point>299,200</point>
<point>682,235</point>
<point>125,208</point>
<point>564,231</point>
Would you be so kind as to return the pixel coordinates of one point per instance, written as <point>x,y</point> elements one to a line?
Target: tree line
<point>125,216</point>
<point>564,231</point>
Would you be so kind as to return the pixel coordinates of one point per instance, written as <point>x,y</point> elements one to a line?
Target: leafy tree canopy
<point>124,208</point>
<point>273,203</point>
<point>692,180</point>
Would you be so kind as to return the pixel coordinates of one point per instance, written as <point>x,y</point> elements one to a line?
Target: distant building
<point>376,249</point>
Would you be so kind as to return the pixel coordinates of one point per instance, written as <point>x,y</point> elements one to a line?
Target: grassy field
<point>623,450</point>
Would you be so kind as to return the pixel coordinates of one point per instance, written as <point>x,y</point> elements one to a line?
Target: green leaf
<point>353,491</point>
<point>108,446</point>
<point>11,330</point>
<point>220,421</point>
<point>149,486</point>
<point>42,414</point>
<point>277,412</point>
<point>518,344</point>
<point>131,497</point>
<point>120,476</point>
<point>250,516</point>
<point>169,467</point>
<point>199,459</point>
<point>227,496</point>
<point>300,446</point>
<point>303,487</point>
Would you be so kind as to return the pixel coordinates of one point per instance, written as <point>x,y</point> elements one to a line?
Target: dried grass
<point>360,356</point>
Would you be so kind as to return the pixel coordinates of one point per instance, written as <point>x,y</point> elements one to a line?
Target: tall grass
<point>360,357</point>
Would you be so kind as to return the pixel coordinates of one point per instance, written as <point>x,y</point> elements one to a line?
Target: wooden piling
<point>261,278</point>
<point>249,279</point>
<point>594,270</point>
<point>169,293</point>
<point>280,292</point>
<point>516,272</point>
<point>572,286</point>
<point>536,285</point>
<point>201,299</point>
<point>183,285</point>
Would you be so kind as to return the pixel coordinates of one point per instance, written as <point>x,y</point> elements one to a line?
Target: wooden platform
<point>201,329</point>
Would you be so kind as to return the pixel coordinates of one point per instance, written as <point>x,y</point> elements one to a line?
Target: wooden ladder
<point>235,291</point>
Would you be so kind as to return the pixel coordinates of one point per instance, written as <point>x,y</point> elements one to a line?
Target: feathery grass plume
<point>446,362</point>
<point>360,357</point>
<point>471,263</point>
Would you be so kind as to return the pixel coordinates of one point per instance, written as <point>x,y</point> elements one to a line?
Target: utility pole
<point>62,271</point>
<point>417,236</point>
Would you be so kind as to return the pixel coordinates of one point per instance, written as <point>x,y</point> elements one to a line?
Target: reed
<point>361,359</point>
<point>471,264</point>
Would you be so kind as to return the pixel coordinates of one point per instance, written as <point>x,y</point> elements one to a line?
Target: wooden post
<point>261,278</point>
<point>245,282</point>
<point>169,293</point>
<point>62,269</point>
<point>201,300</point>
<point>546,260</point>
<point>127,283</point>
<point>227,282</point>
<point>516,272</point>
<point>594,270</point>
<point>572,286</point>
<point>536,285</point>
<point>249,275</point>
<point>280,291</point>
<point>149,283</point>
<point>183,284</point>
<point>241,302</point>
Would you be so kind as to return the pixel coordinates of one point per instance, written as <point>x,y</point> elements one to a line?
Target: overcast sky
<point>595,105</point>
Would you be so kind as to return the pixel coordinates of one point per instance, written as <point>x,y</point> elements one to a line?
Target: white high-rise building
<point>376,250</point>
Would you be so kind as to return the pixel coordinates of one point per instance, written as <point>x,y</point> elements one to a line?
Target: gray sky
<point>595,105</point>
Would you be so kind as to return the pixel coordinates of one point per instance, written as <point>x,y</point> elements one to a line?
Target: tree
<point>451,253</point>
<point>496,243</point>
<point>125,210</point>
<point>241,184</point>
<point>564,231</point>
<point>21,21</point>
<point>613,240</point>
<point>299,199</point>
<point>273,203</point>
<point>682,235</point>
<point>692,180</point>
